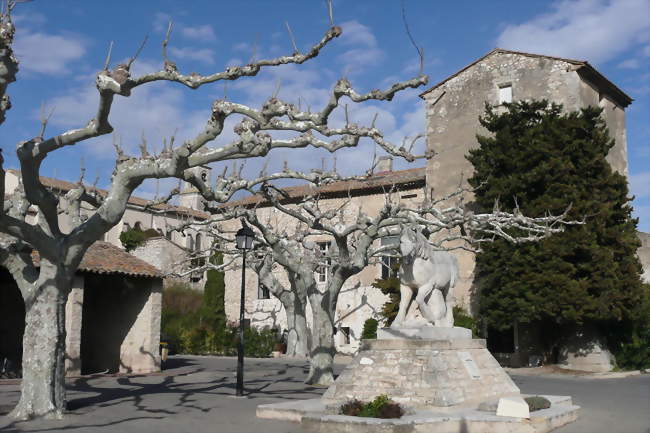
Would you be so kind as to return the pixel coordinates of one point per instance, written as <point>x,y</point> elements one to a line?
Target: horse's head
<point>407,241</point>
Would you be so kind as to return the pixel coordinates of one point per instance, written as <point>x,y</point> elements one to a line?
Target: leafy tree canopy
<point>544,160</point>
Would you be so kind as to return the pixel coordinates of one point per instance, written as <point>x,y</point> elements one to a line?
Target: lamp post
<point>244,240</point>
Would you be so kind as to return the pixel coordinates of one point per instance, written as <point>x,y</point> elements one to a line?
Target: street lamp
<point>244,240</point>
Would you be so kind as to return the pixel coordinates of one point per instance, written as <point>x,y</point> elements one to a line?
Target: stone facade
<point>358,300</point>
<point>423,374</point>
<point>453,108</point>
<point>167,255</point>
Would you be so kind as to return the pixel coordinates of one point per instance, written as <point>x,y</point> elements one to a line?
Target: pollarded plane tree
<point>355,243</point>
<point>45,287</point>
<point>274,247</point>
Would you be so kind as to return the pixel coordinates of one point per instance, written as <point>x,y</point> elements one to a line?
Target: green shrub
<point>133,238</point>
<point>537,402</point>
<point>380,407</point>
<point>464,320</point>
<point>631,343</point>
<point>370,329</point>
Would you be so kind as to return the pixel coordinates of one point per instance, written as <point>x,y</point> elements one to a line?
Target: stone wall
<point>168,256</point>
<point>139,353</point>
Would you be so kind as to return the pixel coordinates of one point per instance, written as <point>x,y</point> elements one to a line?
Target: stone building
<point>112,315</point>
<point>358,300</point>
<point>453,107</point>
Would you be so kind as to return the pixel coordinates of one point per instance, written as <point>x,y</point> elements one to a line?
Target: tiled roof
<point>377,183</point>
<point>65,186</point>
<point>105,258</point>
<point>590,72</point>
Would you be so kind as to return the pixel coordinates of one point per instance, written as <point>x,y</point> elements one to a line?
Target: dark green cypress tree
<point>213,311</point>
<point>545,160</point>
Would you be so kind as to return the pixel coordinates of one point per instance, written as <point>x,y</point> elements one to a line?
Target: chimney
<point>384,163</point>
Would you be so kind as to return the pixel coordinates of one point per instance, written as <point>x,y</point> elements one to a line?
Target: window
<point>409,196</point>
<point>263,292</point>
<point>126,227</point>
<point>345,331</point>
<point>505,94</point>
<point>168,235</point>
<point>189,243</point>
<point>389,264</point>
<point>197,243</point>
<point>321,271</point>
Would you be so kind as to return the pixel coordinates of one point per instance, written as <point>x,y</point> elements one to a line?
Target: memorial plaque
<point>470,365</point>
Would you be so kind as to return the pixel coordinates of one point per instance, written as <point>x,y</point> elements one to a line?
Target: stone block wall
<point>139,352</point>
<point>422,374</point>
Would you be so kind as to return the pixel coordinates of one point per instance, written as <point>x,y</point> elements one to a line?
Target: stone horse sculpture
<point>432,273</point>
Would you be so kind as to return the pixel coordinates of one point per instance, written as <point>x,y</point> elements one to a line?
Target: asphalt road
<point>196,394</point>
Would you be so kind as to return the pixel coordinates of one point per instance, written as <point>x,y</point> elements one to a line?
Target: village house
<point>112,315</point>
<point>113,312</point>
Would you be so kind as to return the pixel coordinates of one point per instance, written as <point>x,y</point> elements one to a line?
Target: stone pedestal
<point>425,333</point>
<point>423,373</point>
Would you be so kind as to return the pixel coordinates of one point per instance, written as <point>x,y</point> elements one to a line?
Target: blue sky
<point>62,43</point>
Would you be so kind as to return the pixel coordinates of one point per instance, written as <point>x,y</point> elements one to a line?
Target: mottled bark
<point>297,338</point>
<point>8,62</point>
<point>43,384</point>
<point>321,368</point>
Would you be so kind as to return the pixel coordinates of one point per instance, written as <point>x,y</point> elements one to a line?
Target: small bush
<point>370,329</point>
<point>380,407</point>
<point>537,403</point>
<point>464,320</point>
<point>352,408</point>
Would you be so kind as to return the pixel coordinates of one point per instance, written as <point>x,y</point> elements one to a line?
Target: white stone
<point>366,361</point>
<point>515,407</point>
<point>425,333</point>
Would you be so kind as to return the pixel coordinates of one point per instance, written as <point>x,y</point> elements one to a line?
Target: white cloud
<point>203,55</point>
<point>629,64</point>
<point>158,110</point>
<point>204,33</point>
<point>595,30</point>
<point>47,53</point>
<point>363,52</point>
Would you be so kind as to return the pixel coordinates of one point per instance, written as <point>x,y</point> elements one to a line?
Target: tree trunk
<point>297,339</point>
<point>322,356</point>
<point>43,383</point>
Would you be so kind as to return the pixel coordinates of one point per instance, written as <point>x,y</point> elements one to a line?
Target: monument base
<point>446,381</point>
<point>425,333</point>
<point>423,374</point>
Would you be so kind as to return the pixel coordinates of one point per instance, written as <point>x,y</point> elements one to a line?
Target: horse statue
<point>432,273</point>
